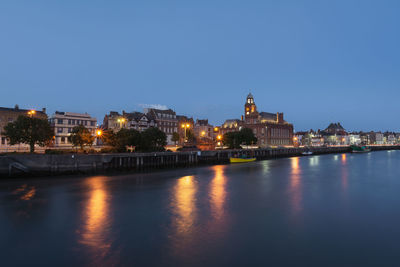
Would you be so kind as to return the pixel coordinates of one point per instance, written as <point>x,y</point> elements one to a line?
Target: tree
<point>152,139</point>
<point>191,138</point>
<point>81,136</point>
<point>109,138</point>
<point>29,131</point>
<point>127,137</point>
<point>247,137</point>
<point>234,139</point>
<point>175,137</point>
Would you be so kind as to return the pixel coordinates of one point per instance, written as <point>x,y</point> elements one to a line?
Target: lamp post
<point>31,113</point>
<point>185,126</point>
<point>121,121</point>
<point>99,133</point>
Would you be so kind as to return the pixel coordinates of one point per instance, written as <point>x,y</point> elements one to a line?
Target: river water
<point>328,210</point>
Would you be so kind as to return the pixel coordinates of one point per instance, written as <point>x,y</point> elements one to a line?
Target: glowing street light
<point>185,126</point>
<point>31,112</point>
<point>121,121</point>
<point>219,137</point>
<point>99,133</point>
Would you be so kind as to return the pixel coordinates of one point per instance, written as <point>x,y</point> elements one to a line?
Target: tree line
<point>34,131</point>
<point>150,140</point>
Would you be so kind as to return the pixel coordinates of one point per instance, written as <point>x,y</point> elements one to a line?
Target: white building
<point>64,122</point>
<point>355,139</point>
<point>379,140</point>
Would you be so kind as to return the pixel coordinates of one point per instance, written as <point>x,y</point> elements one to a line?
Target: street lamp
<point>121,121</point>
<point>185,126</point>
<point>99,133</point>
<point>31,113</point>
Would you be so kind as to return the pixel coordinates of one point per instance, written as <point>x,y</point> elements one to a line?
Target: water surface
<point>331,210</point>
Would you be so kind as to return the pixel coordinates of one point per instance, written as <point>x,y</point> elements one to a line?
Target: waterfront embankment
<point>14,165</point>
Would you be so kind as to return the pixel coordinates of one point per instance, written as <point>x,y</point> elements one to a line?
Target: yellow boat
<point>241,160</point>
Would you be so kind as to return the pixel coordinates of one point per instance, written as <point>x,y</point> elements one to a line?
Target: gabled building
<point>166,121</point>
<point>139,121</point>
<point>114,121</point>
<point>128,120</point>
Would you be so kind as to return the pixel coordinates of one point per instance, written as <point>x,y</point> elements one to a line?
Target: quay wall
<point>28,165</point>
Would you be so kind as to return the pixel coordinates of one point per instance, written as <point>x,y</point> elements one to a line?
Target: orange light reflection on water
<point>344,158</point>
<point>184,203</point>
<point>96,220</point>
<point>218,192</point>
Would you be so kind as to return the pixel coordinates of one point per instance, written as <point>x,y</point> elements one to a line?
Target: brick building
<point>270,128</point>
<point>8,115</point>
<point>166,121</point>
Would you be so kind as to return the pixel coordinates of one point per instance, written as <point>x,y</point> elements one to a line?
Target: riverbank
<point>29,165</point>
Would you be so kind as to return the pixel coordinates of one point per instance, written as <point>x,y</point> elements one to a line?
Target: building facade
<point>202,129</point>
<point>270,128</point>
<point>64,122</point>
<point>166,121</point>
<point>139,121</point>
<point>128,120</point>
<point>114,121</point>
<point>8,115</point>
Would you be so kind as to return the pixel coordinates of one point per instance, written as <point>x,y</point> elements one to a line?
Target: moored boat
<point>307,153</point>
<point>241,160</point>
<point>360,149</point>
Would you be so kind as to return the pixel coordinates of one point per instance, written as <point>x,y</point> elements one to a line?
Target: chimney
<point>279,117</point>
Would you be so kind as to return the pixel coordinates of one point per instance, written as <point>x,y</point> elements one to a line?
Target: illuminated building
<point>269,128</point>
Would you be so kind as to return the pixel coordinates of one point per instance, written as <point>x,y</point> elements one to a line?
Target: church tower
<point>250,109</point>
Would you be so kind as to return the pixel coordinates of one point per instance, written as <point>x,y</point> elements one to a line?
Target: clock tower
<point>250,110</point>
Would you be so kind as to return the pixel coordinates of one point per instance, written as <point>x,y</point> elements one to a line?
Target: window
<point>69,122</point>
<point>92,123</point>
<point>3,140</point>
<point>10,119</point>
<point>62,139</point>
<point>60,121</point>
<point>69,130</point>
<point>59,130</point>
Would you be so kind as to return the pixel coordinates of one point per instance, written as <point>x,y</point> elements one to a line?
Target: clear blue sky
<point>317,61</point>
